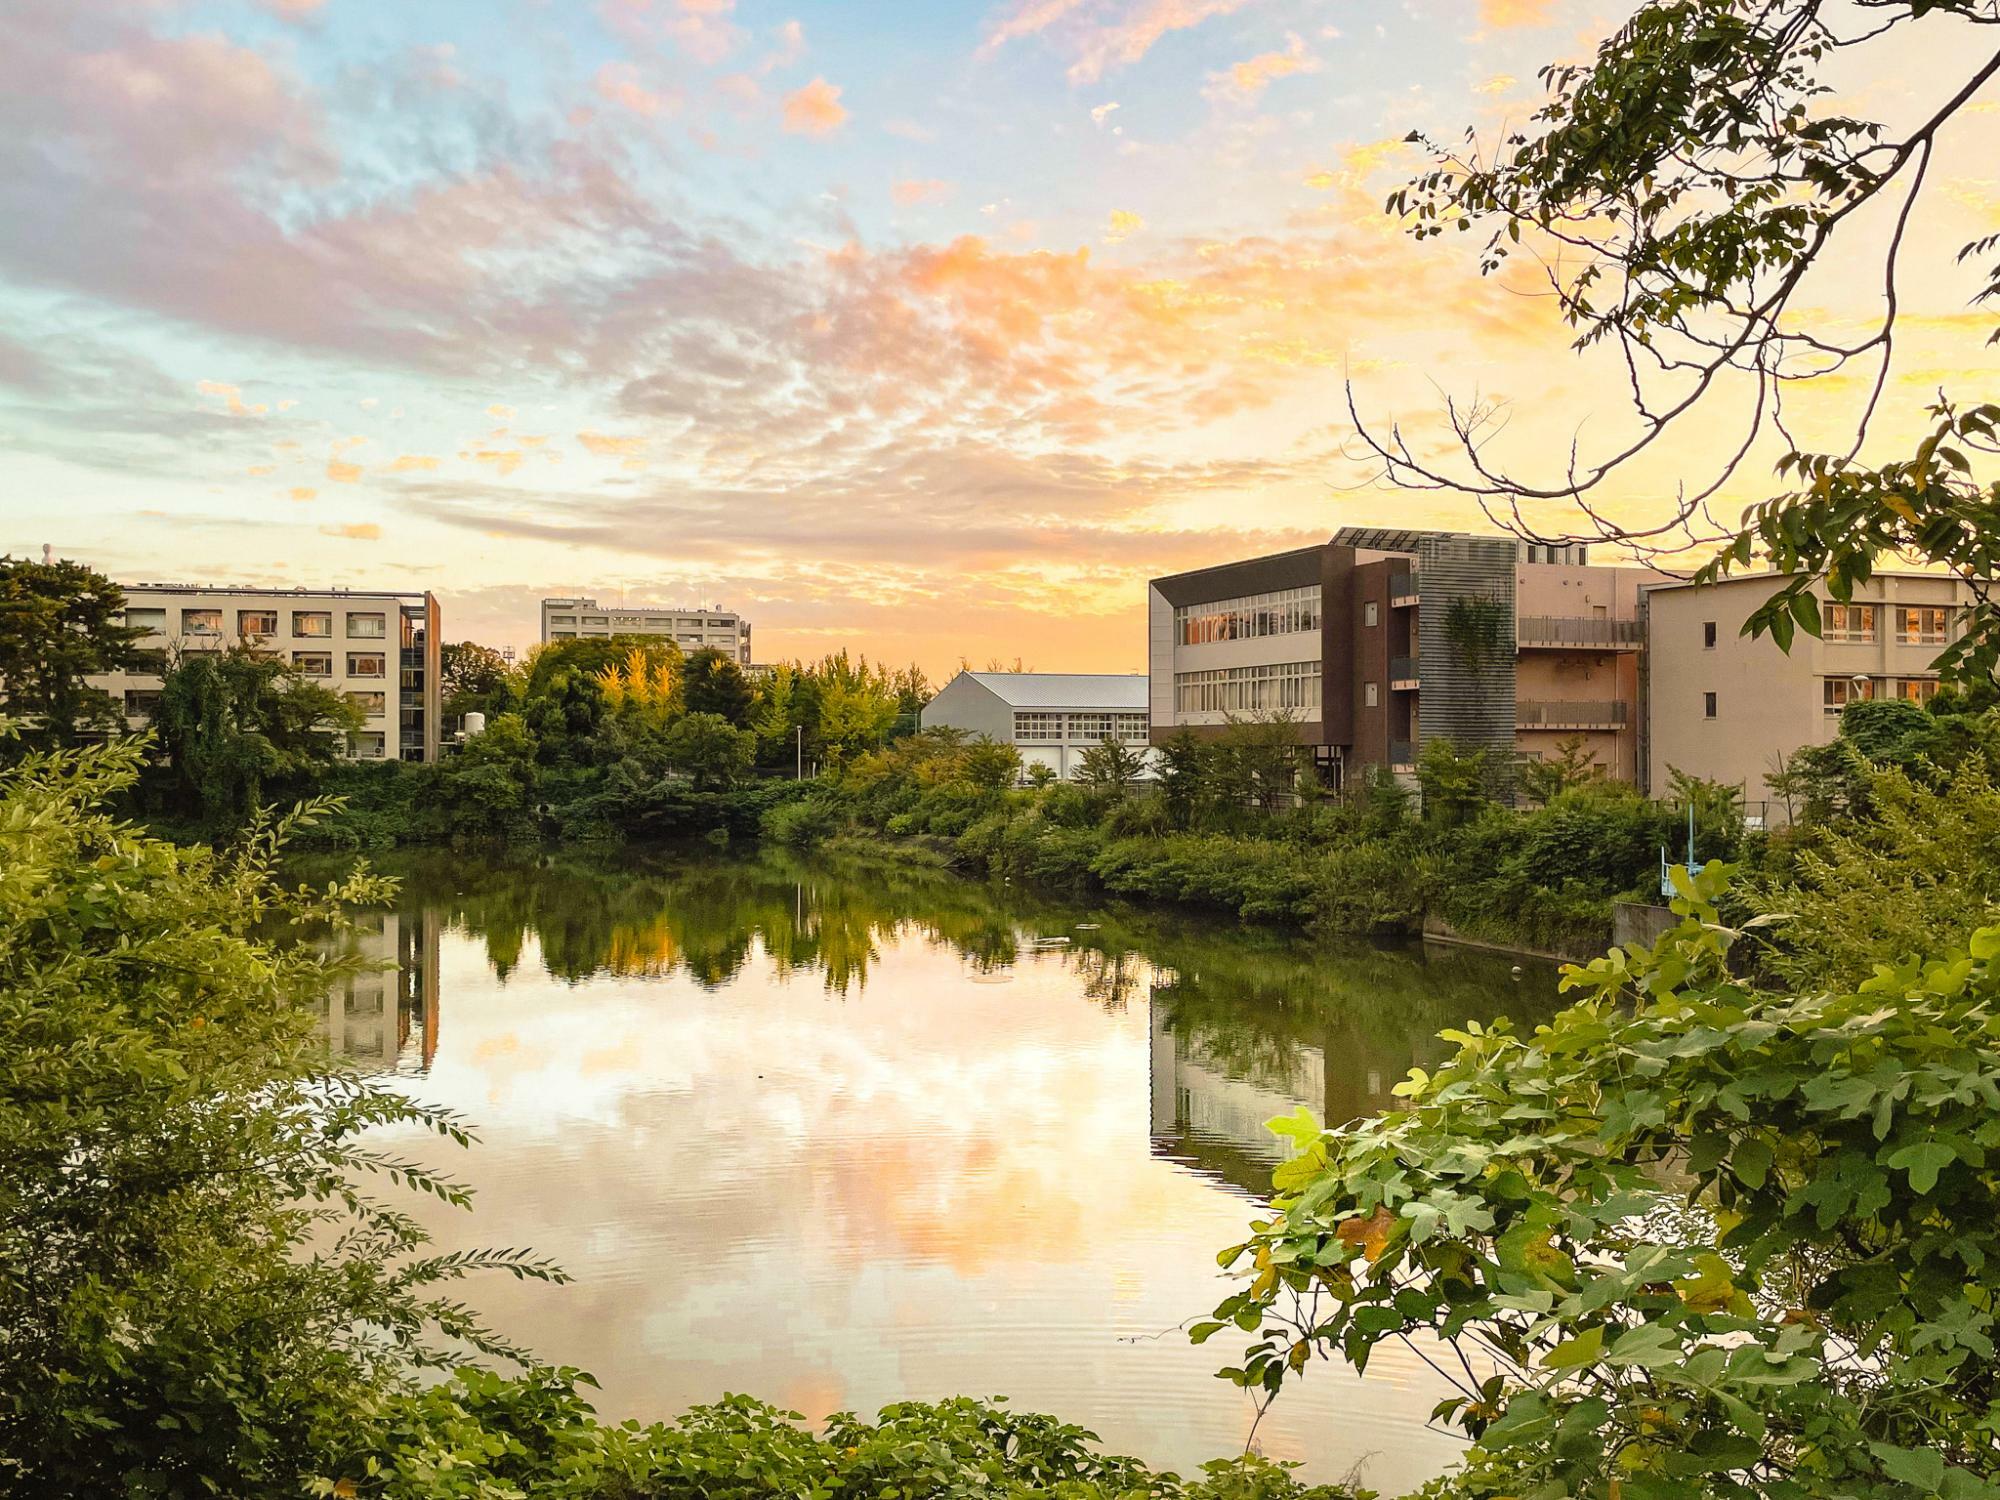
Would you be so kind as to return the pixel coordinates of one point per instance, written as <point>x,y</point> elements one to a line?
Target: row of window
<point>1279,613</point>
<point>1258,689</point>
<point>362,625</point>
<point>359,663</point>
<point>1050,728</point>
<point>1916,624</point>
<point>1837,692</point>
<point>143,701</point>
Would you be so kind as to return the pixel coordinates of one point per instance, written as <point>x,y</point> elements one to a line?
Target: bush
<point>802,823</point>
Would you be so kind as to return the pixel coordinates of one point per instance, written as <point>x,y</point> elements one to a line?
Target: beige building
<point>1720,705</point>
<point>690,629</point>
<point>379,649</point>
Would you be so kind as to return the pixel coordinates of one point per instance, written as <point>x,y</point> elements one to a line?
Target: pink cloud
<point>815,109</point>
<point>1247,80</point>
<point>619,84</point>
<point>914,190</point>
<point>1102,41</point>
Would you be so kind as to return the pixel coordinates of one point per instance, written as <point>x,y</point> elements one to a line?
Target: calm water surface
<point>836,1136</point>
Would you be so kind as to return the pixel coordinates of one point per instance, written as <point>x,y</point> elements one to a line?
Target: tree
<point>472,678</point>
<point>1257,760</point>
<point>1453,782</point>
<point>204,1293</point>
<point>1686,1240</point>
<point>855,713</point>
<point>715,684</point>
<point>1677,192</point>
<point>1545,778</point>
<point>489,785</point>
<point>1187,778</point>
<point>990,764</point>
<point>1110,766</point>
<point>710,750</point>
<point>231,721</point>
<point>60,624</point>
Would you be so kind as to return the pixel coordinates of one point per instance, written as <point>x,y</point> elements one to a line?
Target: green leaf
<point>1922,1467</point>
<point>1571,1353</point>
<point>1923,1160</point>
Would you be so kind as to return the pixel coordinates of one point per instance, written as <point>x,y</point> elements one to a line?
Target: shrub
<point>802,823</point>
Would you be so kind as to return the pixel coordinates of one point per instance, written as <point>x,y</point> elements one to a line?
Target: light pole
<point>799,768</point>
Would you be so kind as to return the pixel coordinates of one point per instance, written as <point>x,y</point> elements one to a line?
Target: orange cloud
<point>1126,40</point>
<point>410,463</point>
<point>232,397</point>
<point>354,531</point>
<point>1513,13</point>
<point>1124,224</point>
<point>913,190</point>
<point>604,445</point>
<point>1247,80</point>
<point>1027,18</point>
<point>303,492</point>
<point>503,461</point>
<point>342,472</point>
<point>618,83</point>
<point>815,109</point>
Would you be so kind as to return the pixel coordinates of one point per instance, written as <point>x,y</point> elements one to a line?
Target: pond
<point>836,1134</point>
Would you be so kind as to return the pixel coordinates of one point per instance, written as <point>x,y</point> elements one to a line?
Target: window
<point>312,622</point>
<point>1369,614</point>
<point>1921,624</point>
<point>256,622</point>
<point>365,627</point>
<point>1850,622</point>
<point>149,659</point>
<point>1042,727</point>
<point>562,619</point>
<point>1284,685</point>
<point>562,635</point>
<point>1092,727</point>
<point>1280,613</point>
<point>140,702</point>
<point>201,622</point>
<point>372,704</point>
<point>366,745</point>
<point>313,663</point>
<point>154,620</point>
<point>1132,728</point>
<point>1916,689</point>
<point>1708,635</point>
<point>1841,691</point>
<point>1371,695</point>
<point>1708,705</point>
<point>366,664</point>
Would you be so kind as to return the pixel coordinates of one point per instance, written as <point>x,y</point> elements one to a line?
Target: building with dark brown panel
<point>1379,639</point>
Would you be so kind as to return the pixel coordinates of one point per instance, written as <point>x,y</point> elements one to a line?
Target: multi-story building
<point>385,1018</point>
<point>1720,705</point>
<point>1380,639</point>
<point>380,649</point>
<point>1052,718</point>
<point>690,629</point>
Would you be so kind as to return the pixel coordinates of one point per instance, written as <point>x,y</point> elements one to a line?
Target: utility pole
<point>800,773</point>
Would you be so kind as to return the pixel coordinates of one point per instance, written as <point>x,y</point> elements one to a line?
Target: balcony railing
<point>1403,587</point>
<point>1403,670</point>
<point>1402,754</point>
<point>1574,631</point>
<point>1609,715</point>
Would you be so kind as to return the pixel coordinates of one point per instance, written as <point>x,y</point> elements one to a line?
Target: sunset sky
<point>926,329</point>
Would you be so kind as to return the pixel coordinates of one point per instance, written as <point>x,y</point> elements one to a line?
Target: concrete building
<point>1380,639</point>
<point>1052,718</point>
<point>385,1019</point>
<point>378,648</point>
<point>690,629</point>
<point>1722,706</point>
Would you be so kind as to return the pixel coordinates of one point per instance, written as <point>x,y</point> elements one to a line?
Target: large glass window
<point>1092,727</point>
<point>1042,727</point>
<point>313,663</point>
<point>1838,692</point>
<point>201,622</point>
<point>256,622</point>
<point>366,664</point>
<point>365,626</point>
<point>1248,617</point>
<point>154,620</point>
<point>1850,622</point>
<point>1132,728</point>
<point>312,622</point>
<point>1259,689</point>
<point>1916,689</point>
<point>1922,624</point>
<point>371,704</point>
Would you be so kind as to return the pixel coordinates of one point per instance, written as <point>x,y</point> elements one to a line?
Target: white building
<point>380,649</point>
<point>690,629</point>
<point>1052,718</point>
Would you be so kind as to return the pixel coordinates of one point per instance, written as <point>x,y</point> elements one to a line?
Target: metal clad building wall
<point>1474,709</point>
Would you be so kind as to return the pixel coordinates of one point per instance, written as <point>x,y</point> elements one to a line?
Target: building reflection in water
<point>385,1018</point>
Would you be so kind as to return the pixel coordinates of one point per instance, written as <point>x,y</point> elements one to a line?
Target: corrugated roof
<point>1115,691</point>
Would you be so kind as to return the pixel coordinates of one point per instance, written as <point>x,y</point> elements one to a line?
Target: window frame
<point>303,618</point>
<point>382,667</point>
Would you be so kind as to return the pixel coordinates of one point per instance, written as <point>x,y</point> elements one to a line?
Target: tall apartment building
<point>690,629</point>
<point>378,648</point>
<point>1725,707</point>
<point>1379,639</point>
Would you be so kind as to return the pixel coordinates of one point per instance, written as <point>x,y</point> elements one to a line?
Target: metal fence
<point>1532,715</point>
<point>1575,630</point>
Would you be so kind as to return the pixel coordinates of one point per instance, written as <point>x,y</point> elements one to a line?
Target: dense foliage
<point>60,624</point>
<point>1687,1239</point>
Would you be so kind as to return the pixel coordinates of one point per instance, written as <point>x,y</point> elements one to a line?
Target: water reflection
<point>385,1016</point>
<point>838,1135</point>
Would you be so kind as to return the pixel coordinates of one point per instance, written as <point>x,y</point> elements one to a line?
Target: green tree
<point>473,678</point>
<point>60,624</point>
<point>1544,778</point>
<point>715,684</point>
<point>1453,782</point>
<point>1110,766</point>
<point>233,721</point>
<point>989,764</point>
<point>1187,778</point>
<point>1678,190</point>
<point>203,1292</point>
<point>855,713</point>
<point>489,786</point>
<point>1687,1240</point>
<point>709,750</point>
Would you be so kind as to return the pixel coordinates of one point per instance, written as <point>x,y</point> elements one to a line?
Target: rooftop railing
<point>1576,630</point>
<point>1529,714</point>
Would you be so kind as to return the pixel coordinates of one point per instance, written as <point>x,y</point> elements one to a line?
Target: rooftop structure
<point>692,629</point>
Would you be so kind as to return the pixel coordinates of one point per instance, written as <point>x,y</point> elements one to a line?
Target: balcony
<point>1402,755</point>
<point>1403,672</point>
<point>1576,633</point>
<point>1403,589</point>
<point>1533,715</point>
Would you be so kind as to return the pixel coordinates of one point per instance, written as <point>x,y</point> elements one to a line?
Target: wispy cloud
<point>815,109</point>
